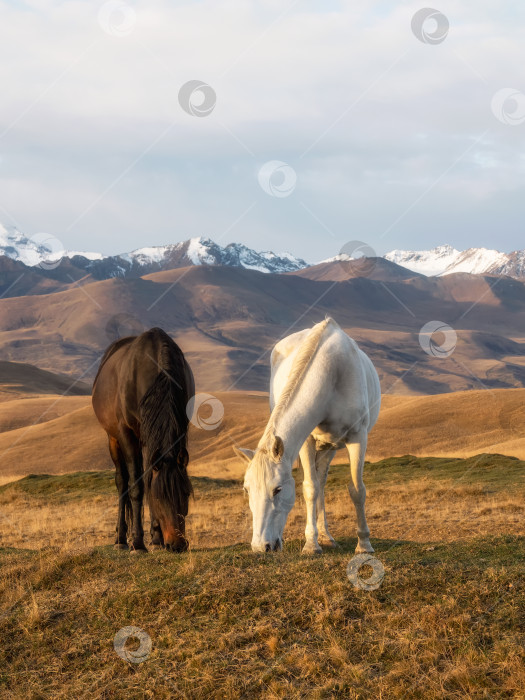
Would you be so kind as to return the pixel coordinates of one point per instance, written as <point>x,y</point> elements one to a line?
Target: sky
<point>324,122</point>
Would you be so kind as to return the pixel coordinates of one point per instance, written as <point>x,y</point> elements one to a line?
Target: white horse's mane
<point>301,362</point>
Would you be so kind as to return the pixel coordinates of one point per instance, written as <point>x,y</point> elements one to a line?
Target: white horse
<point>324,395</point>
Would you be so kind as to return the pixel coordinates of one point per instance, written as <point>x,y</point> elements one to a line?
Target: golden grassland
<point>447,621</point>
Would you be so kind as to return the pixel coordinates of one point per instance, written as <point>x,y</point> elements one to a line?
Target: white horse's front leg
<point>322,463</point>
<point>356,450</point>
<point>310,492</point>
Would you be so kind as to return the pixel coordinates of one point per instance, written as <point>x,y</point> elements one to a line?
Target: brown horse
<point>140,395</point>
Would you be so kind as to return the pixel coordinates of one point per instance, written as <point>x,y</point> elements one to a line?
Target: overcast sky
<point>390,140</point>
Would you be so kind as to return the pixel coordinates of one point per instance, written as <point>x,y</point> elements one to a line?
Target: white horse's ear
<point>244,453</point>
<point>277,449</point>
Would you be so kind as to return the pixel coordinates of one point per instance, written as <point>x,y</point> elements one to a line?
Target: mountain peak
<point>445,260</point>
<point>445,249</point>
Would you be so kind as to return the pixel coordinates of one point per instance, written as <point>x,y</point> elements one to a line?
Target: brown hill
<point>17,279</point>
<point>340,270</point>
<point>17,377</point>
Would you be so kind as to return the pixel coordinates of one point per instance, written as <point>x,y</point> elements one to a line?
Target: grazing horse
<point>324,395</point>
<point>140,395</point>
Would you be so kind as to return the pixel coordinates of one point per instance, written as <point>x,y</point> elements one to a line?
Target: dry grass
<point>437,505</point>
<point>446,622</point>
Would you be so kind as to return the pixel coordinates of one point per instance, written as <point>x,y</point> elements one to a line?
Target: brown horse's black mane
<point>164,426</point>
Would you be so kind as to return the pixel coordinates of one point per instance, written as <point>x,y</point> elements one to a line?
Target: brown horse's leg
<point>121,480</point>
<point>133,455</point>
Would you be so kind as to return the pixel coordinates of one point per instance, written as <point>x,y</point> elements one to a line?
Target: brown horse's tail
<point>164,429</point>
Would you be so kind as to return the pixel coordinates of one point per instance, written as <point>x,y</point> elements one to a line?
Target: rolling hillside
<point>51,433</point>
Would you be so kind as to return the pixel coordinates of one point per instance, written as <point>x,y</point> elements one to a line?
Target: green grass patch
<point>61,488</point>
<point>498,471</point>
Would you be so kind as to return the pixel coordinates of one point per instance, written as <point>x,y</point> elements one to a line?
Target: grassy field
<point>447,621</point>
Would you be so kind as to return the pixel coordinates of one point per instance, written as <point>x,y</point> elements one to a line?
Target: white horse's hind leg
<point>356,449</point>
<point>310,492</point>
<point>322,463</point>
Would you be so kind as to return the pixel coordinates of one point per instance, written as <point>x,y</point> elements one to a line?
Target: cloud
<point>384,132</point>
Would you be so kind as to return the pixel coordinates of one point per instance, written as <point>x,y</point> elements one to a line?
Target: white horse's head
<point>271,491</point>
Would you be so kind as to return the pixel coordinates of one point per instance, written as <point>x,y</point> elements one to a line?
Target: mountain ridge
<point>446,260</point>
<point>45,252</point>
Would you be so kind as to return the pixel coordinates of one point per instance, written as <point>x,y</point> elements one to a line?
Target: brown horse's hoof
<point>120,545</point>
<point>156,547</point>
<point>141,550</point>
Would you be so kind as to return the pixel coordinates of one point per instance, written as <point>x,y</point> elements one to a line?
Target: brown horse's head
<point>168,495</point>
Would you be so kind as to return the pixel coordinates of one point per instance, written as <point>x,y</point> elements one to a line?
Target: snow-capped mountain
<point>204,251</point>
<point>426,262</point>
<point>42,249</point>
<point>444,260</point>
<point>15,245</point>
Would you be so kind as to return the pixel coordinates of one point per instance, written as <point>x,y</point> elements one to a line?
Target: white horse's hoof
<point>364,549</point>
<point>328,542</point>
<point>311,549</point>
